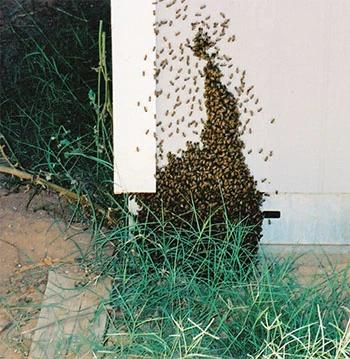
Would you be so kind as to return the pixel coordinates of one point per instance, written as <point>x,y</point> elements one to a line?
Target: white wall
<point>134,126</point>
<point>297,54</point>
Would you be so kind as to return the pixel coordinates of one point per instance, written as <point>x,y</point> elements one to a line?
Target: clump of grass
<point>168,309</point>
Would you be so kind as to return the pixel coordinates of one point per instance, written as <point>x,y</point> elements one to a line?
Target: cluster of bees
<point>204,107</point>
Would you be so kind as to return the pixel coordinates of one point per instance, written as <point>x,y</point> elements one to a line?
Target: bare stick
<point>69,195</point>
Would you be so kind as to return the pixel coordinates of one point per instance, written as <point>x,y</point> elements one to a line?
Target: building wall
<point>297,55</point>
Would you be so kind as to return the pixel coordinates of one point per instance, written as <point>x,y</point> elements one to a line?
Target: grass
<point>55,103</point>
<point>169,309</point>
<point>177,293</point>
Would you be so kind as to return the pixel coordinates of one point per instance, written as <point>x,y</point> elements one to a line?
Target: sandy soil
<point>32,240</point>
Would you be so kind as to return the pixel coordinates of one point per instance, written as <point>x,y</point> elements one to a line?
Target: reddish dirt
<point>32,240</point>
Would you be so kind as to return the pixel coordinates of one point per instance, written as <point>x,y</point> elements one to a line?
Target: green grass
<point>177,293</point>
<point>168,309</point>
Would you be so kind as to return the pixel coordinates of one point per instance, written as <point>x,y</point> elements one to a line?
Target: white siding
<point>297,54</point>
<point>133,37</point>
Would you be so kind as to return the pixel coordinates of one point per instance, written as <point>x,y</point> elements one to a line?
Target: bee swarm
<point>211,174</point>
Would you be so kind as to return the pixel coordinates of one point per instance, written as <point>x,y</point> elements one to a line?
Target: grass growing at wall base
<point>168,309</point>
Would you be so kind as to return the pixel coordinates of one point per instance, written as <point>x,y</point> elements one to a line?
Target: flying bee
<point>273,120</point>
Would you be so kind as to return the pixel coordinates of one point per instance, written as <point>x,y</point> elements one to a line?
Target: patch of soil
<point>33,239</point>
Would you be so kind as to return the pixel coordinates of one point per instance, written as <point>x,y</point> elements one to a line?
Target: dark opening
<point>272,214</point>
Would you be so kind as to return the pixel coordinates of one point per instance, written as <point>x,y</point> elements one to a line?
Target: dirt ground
<point>33,238</point>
